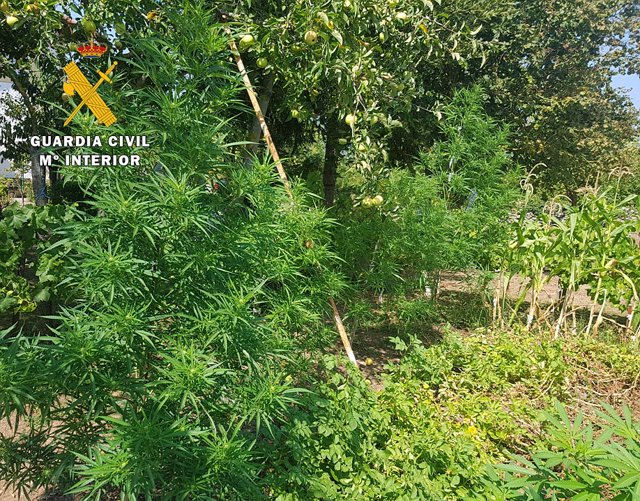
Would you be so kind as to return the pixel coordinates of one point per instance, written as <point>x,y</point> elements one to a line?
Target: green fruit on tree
<point>310,37</point>
<point>11,20</point>
<point>246,42</point>
<point>382,36</point>
<point>73,46</point>
<point>402,16</point>
<point>347,4</point>
<point>374,120</point>
<point>262,62</point>
<point>392,3</point>
<point>350,120</point>
<point>295,113</point>
<point>65,97</point>
<point>362,148</point>
<point>367,202</point>
<point>4,7</point>
<point>120,28</point>
<point>377,201</point>
<point>343,141</point>
<point>88,26</point>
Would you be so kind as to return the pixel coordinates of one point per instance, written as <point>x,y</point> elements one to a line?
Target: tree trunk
<point>38,179</point>
<point>255,133</point>
<point>331,157</point>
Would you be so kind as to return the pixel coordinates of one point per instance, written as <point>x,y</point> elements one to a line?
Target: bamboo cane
<point>283,175</point>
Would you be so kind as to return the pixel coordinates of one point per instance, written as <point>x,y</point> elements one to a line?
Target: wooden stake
<point>343,332</point>
<point>256,107</point>
<point>283,175</point>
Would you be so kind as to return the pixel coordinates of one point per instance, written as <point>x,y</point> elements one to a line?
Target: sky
<point>631,82</point>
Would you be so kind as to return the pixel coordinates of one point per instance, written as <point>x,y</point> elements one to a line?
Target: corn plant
<point>590,247</point>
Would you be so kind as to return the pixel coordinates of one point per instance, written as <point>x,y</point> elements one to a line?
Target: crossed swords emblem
<point>77,82</point>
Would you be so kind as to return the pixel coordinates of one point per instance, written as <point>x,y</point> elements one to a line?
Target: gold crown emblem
<point>92,50</point>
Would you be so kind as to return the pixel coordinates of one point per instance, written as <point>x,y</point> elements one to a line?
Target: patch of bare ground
<point>591,380</point>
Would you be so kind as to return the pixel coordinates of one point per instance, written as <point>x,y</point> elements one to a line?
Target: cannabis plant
<point>579,462</point>
<point>448,214</point>
<point>195,288</point>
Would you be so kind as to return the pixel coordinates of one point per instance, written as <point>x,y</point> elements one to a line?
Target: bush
<point>448,215</point>
<point>195,287</point>
<point>28,274</point>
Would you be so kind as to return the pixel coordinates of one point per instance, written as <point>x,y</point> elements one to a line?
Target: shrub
<point>447,215</point>
<point>578,462</point>
<point>28,275</point>
<point>195,288</point>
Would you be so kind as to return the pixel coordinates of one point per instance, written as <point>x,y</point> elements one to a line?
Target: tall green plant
<point>449,215</point>
<point>590,244</point>
<point>195,289</point>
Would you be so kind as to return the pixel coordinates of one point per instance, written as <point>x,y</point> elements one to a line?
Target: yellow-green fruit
<point>73,46</point>
<point>120,28</point>
<point>246,42</point>
<point>367,201</point>
<point>310,37</point>
<point>382,36</point>
<point>362,148</point>
<point>262,62</point>
<point>65,97</point>
<point>88,26</point>
<point>374,120</point>
<point>343,141</point>
<point>402,16</point>
<point>377,201</point>
<point>4,6</point>
<point>350,119</point>
<point>392,3</point>
<point>347,4</point>
<point>295,113</point>
<point>11,20</point>
<point>368,362</point>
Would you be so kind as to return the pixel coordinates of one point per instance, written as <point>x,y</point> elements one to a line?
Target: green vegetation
<point>463,183</point>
